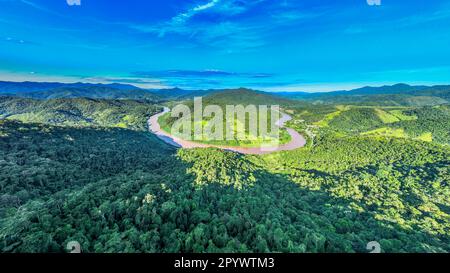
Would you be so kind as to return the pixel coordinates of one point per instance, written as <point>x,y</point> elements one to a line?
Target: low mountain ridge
<point>394,95</point>
<point>245,96</point>
<point>180,94</point>
<point>389,95</point>
<point>43,90</point>
<point>95,92</point>
<point>7,87</point>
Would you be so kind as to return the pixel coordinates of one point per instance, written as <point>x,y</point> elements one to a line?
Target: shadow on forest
<point>297,219</point>
<point>124,191</point>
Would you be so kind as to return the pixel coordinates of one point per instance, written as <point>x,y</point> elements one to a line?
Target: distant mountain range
<point>369,90</point>
<point>44,90</point>
<point>56,90</point>
<point>399,94</point>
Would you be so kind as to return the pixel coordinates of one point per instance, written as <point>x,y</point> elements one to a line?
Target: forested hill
<point>79,112</point>
<point>245,96</point>
<point>241,96</point>
<point>25,87</point>
<point>223,96</point>
<point>177,94</point>
<point>94,91</point>
<point>52,90</point>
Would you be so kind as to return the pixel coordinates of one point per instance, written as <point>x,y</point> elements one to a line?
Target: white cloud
<point>183,17</point>
<point>206,6</point>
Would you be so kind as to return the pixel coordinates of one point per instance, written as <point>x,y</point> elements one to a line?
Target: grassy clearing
<point>386,132</point>
<point>397,133</point>
<point>401,116</point>
<point>121,125</point>
<point>26,117</point>
<point>329,117</point>
<point>427,137</point>
<point>386,117</point>
<point>343,108</point>
<point>325,122</point>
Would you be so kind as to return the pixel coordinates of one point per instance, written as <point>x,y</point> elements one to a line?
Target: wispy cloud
<point>441,14</point>
<point>178,23</point>
<point>17,41</point>
<point>289,15</point>
<point>198,73</point>
<point>216,30</point>
<point>183,17</point>
<point>208,78</point>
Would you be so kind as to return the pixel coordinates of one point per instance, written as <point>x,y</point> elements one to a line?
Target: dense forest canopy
<point>71,170</point>
<point>80,112</point>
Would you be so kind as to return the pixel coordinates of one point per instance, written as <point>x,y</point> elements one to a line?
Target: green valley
<point>87,170</point>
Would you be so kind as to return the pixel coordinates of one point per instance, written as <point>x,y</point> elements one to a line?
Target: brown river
<point>297,140</point>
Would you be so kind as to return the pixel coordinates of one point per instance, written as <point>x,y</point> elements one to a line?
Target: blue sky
<point>274,45</point>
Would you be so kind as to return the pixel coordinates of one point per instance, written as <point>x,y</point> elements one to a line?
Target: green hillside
<point>91,92</point>
<point>79,112</point>
<point>419,123</point>
<point>242,97</point>
<point>55,90</point>
<point>245,97</point>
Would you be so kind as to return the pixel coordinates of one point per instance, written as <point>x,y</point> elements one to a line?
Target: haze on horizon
<point>271,45</point>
